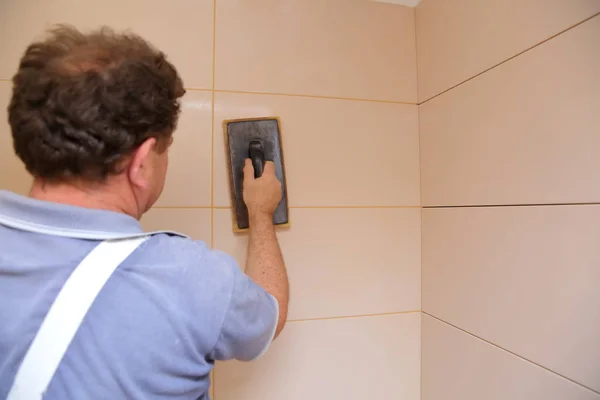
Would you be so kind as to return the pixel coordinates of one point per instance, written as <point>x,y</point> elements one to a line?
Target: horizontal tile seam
<point>508,59</point>
<point>511,353</point>
<point>513,205</point>
<point>303,95</point>
<point>354,316</point>
<point>394,207</point>
<point>314,96</point>
<point>291,207</point>
<point>307,96</point>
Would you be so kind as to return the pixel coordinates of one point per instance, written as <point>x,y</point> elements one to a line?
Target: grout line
<point>307,96</point>
<point>421,212</point>
<point>182,207</point>
<point>515,205</point>
<point>510,352</point>
<point>510,58</point>
<point>351,207</point>
<point>354,316</point>
<point>314,96</point>
<point>212,136</point>
<point>389,207</point>
<point>291,207</point>
<point>198,89</point>
<point>212,163</point>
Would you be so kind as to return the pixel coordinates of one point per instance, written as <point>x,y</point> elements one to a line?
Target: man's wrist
<point>260,218</point>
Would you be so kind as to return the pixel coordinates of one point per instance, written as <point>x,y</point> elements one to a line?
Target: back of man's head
<point>81,103</point>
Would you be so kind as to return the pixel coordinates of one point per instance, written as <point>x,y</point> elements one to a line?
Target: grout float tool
<point>260,140</point>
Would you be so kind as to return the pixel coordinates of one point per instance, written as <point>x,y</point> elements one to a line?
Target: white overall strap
<point>65,315</point>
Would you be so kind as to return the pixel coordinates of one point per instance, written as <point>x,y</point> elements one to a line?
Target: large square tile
<point>193,222</point>
<point>343,261</point>
<point>458,366</point>
<point>524,278</point>
<point>188,176</point>
<point>339,48</point>
<point>337,152</point>
<point>183,29</point>
<point>13,175</point>
<point>523,133</point>
<point>352,359</point>
<point>458,39</point>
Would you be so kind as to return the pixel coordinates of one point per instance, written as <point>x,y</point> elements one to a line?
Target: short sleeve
<point>250,320</point>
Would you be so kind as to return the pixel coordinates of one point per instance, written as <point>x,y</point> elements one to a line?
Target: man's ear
<point>139,171</point>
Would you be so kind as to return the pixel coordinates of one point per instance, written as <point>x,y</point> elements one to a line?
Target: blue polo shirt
<point>171,309</point>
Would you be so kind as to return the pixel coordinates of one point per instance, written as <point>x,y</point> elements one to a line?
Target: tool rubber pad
<point>239,134</point>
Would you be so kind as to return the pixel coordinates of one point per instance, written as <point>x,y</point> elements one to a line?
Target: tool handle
<point>257,155</point>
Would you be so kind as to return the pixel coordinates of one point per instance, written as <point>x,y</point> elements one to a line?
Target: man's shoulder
<point>178,253</point>
<point>186,277</point>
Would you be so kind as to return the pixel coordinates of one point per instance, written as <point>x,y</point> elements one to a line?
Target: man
<point>92,117</point>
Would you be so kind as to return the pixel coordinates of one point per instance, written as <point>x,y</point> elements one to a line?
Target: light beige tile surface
<point>337,48</point>
<point>188,177</point>
<point>525,132</point>
<point>193,222</point>
<point>524,278</point>
<point>343,261</point>
<point>183,29</point>
<point>337,152</point>
<point>13,175</point>
<point>458,366</point>
<point>458,39</point>
<point>351,359</point>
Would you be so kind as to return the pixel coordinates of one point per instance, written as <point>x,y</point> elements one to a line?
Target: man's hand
<point>261,195</point>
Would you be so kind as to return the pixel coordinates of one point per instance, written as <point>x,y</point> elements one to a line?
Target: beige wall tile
<point>458,366</point>
<point>193,222</point>
<point>524,278</point>
<point>351,359</point>
<point>188,177</point>
<point>343,261</point>
<point>337,152</point>
<point>13,175</point>
<point>183,29</point>
<point>523,133</point>
<point>354,49</point>
<point>458,39</point>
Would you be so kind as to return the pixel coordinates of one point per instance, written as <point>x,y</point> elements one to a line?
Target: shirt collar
<point>57,219</point>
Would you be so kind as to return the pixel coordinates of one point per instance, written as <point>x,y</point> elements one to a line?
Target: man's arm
<point>264,263</point>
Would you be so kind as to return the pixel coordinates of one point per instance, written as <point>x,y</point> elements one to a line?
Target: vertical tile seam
<point>212,134</point>
<point>420,209</point>
<point>212,161</point>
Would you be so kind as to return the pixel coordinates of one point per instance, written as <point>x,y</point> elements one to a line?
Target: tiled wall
<point>342,77</point>
<point>509,97</point>
<point>511,195</point>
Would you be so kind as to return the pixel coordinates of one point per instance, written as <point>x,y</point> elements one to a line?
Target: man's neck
<point>95,196</point>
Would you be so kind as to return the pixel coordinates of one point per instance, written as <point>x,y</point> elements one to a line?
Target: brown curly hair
<point>83,102</point>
